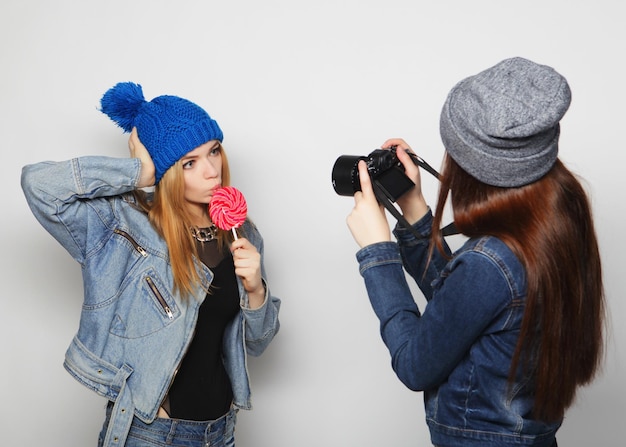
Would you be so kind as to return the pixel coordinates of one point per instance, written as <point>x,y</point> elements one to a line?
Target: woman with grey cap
<point>514,320</point>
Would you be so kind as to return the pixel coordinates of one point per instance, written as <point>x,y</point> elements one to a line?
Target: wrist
<point>416,211</point>
<point>256,298</point>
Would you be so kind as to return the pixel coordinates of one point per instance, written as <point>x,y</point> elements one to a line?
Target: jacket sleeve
<point>262,324</point>
<point>425,348</point>
<point>415,254</point>
<point>68,198</point>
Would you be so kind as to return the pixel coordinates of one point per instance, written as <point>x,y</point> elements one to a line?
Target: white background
<point>293,86</point>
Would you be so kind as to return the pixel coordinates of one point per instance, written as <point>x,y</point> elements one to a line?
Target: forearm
<point>56,193</point>
<point>426,347</point>
<point>262,323</point>
<point>422,265</point>
<point>415,210</point>
<point>79,178</point>
<point>257,297</point>
<point>401,322</point>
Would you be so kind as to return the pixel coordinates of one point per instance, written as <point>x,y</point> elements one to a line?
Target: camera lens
<point>345,175</point>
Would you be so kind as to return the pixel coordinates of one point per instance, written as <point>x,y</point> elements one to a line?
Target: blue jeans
<point>178,432</point>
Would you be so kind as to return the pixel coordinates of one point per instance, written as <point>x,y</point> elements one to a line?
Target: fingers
<point>410,168</point>
<point>241,242</point>
<point>367,221</point>
<point>138,150</point>
<point>402,148</point>
<point>399,142</point>
<point>247,262</point>
<point>401,152</point>
<point>366,182</point>
<point>132,143</point>
<point>245,255</point>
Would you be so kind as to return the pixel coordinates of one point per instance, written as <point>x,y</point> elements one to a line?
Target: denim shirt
<point>459,349</point>
<point>134,329</point>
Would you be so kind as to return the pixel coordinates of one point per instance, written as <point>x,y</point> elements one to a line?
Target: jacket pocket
<point>145,306</point>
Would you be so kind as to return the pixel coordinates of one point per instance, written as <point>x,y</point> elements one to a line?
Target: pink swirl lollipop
<point>228,209</point>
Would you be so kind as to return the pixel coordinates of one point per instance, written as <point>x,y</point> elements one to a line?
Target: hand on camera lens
<point>367,221</point>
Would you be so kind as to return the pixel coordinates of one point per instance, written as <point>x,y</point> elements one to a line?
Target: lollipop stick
<point>234,233</point>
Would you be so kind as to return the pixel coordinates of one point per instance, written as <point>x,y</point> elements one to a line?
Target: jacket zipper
<point>160,298</point>
<point>154,290</point>
<point>130,239</point>
<point>151,284</point>
<point>169,386</point>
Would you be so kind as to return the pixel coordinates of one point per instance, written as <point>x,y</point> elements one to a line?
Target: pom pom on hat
<point>168,126</point>
<point>122,104</point>
<point>502,125</point>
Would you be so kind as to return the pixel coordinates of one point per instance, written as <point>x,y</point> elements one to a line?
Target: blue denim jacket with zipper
<point>133,329</point>
<point>459,349</point>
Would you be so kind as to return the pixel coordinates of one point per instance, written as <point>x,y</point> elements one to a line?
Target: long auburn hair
<point>548,225</point>
<point>168,213</point>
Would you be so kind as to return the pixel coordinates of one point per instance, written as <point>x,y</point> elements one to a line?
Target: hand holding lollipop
<point>228,209</point>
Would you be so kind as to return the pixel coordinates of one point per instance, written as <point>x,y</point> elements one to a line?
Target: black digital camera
<point>383,167</point>
<point>389,180</point>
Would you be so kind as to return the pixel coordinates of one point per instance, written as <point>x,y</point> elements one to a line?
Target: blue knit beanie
<point>168,126</point>
<point>502,125</point>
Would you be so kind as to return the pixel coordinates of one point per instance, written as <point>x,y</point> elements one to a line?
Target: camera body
<point>383,167</point>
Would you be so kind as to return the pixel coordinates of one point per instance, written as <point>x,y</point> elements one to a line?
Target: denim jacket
<point>459,349</point>
<point>133,330</point>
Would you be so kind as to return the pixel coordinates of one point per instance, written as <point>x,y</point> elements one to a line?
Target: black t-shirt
<point>201,389</point>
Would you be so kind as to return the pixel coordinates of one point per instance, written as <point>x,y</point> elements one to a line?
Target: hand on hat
<point>412,203</point>
<point>138,150</point>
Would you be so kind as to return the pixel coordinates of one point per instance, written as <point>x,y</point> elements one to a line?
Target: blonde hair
<point>170,216</point>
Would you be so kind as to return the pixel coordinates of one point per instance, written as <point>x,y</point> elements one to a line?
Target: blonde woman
<point>172,305</point>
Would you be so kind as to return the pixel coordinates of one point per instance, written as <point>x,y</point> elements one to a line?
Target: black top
<point>201,390</point>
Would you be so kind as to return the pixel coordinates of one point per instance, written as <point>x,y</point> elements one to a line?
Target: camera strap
<point>383,198</point>
<point>419,161</point>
